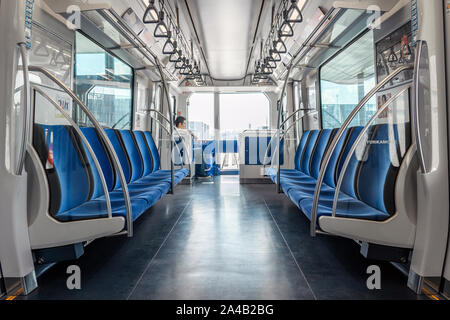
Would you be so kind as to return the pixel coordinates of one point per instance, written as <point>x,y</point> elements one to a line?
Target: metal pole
<point>169,106</point>
<point>280,109</point>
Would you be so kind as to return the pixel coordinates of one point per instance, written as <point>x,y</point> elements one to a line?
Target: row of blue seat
<point>367,190</point>
<point>76,191</point>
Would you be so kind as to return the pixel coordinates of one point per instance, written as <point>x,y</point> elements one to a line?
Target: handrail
<point>104,137</point>
<point>358,140</point>
<point>168,132</point>
<point>159,113</point>
<point>169,106</point>
<point>26,116</point>
<point>86,142</point>
<point>285,132</point>
<point>294,113</point>
<point>338,136</point>
<point>120,120</point>
<point>416,119</point>
<point>280,110</point>
<point>175,128</point>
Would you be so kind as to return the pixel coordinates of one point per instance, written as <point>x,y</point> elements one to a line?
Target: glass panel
<point>201,115</point>
<point>104,83</point>
<point>106,27</point>
<point>52,53</point>
<point>345,80</point>
<point>240,112</point>
<point>337,34</point>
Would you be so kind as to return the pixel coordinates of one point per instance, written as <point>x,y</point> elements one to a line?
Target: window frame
<point>133,72</point>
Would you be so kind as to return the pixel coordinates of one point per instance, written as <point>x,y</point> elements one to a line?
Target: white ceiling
<point>226,30</point>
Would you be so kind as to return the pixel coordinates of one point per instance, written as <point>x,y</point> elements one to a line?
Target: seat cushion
<point>144,184</point>
<point>347,208</point>
<point>96,209</point>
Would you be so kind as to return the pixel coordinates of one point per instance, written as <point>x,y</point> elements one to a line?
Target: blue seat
<point>76,191</point>
<point>68,174</point>
<point>367,190</point>
<point>179,174</point>
<point>272,172</point>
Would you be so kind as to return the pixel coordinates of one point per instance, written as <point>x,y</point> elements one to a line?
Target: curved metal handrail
<point>86,142</point>
<point>338,136</point>
<point>26,116</point>
<point>168,132</point>
<point>103,136</point>
<point>120,120</point>
<point>175,128</point>
<point>284,134</point>
<point>294,113</point>
<point>356,143</point>
<point>416,81</point>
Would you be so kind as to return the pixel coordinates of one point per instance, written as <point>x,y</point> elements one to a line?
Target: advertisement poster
<point>382,99</point>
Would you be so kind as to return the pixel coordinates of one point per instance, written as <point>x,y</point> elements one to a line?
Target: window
<point>201,115</point>
<point>243,111</point>
<point>105,84</point>
<point>345,80</point>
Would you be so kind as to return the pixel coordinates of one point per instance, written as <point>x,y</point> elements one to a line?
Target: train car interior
<point>224,150</point>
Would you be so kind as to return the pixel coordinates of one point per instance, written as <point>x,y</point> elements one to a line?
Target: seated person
<point>180,123</point>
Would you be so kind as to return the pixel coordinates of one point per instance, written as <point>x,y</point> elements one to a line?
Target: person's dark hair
<point>179,120</point>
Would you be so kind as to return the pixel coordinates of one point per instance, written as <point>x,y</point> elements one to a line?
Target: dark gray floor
<point>223,241</point>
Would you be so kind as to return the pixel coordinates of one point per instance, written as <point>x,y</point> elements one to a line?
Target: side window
<point>105,83</point>
<point>344,82</point>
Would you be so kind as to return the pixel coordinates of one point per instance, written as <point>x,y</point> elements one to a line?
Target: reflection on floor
<point>223,241</point>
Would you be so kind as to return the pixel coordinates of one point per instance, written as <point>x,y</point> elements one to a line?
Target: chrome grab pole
<point>286,131</point>
<point>356,143</point>
<point>416,120</point>
<point>104,137</point>
<point>86,142</point>
<point>169,106</point>
<point>282,126</point>
<point>27,112</point>
<point>280,110</point>
<point>175,128</point>
<point>338,136</point>
<point>166,130</point>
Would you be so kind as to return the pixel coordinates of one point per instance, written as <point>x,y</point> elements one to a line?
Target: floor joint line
<point>159,249</point>
<point>290,251</point>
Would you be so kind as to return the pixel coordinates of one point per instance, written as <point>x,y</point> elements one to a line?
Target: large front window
<point>243,111</point>
<point>345,80</point>
<point>105,84</point>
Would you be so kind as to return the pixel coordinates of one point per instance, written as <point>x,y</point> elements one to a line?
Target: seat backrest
<point>308,152</point>
<point>349,181</point>
<point>330,172</point>
<point>319,150</point>
<point>154,150</point>
<point>300,149</point>
<point>104,160</point>
<point>376,174</point>
<point>145,152</point>
<point>117,143</point>
<point>69,176</point>
<point>134,155</point>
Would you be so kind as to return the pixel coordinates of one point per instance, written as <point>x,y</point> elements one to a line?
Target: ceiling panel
<point>226,29</point>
